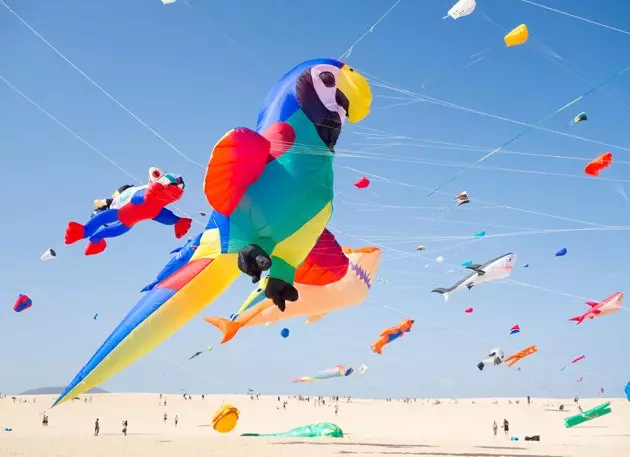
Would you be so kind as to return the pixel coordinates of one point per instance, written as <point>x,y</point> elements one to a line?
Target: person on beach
<point>506,427</point>
<point>336,409</point>
<point>176,420</point>
<point>495,427</point>
<point>529,400</point>
<point>124,427</point>
<point>45,420</point>
<point>165,418</point>
<point>97,427</point>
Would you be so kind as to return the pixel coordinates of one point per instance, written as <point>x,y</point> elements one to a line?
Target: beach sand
<point>372,428</point>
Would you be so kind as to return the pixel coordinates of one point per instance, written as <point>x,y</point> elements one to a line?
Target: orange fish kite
<point>520,355</point>
<point>330,278</point>
<point>391,334</point>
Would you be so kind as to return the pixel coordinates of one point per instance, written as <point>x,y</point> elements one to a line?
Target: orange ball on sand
<point>225,419</point>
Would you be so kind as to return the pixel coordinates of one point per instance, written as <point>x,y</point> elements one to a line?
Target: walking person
<point>165,418</point>
<point>97,427</point>
<point>124,427</point>
<point>495,427</point>
<point>176,420</point>
<point>506,427</point>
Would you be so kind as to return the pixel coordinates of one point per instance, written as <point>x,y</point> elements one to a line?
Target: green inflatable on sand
<point>586,416</point>
<point>318,430</point>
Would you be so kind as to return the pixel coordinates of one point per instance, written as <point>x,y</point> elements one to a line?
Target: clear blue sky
<point>191,83</point>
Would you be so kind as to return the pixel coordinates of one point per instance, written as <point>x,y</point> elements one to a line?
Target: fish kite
<point>133,205</point>
<point>271,191</point>
<point>330,279</point>
<point>515,329</point>
<point>577,359</point>
<point>514,358</point>
<point>391,334</point>
<point>336,372</point>
<point>22,303</point>
<point>608,305</point>
<point>362,183</point>
<point>499,268</point>
<point>598,164</point>
<point>495,357</point>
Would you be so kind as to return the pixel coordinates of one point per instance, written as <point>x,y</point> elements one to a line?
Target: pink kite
<point>577,359</point>
<point>468,310</point>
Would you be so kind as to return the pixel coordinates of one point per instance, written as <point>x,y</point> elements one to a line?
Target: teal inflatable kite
<point>318,430</point>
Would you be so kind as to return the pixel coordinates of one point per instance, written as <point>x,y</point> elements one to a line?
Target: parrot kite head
<point>326,90</point>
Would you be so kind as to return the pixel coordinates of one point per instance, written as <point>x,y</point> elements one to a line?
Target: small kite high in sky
<point>362,183</point>
<point>515,329</point>
<point>517,36</point>
<point>598,164</point>
<point>461,8</point>
<point>22,303</point>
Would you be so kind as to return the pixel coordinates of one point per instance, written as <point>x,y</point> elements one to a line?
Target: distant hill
<point>58,390</point>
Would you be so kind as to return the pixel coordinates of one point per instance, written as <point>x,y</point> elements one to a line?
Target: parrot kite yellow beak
<point>358,92</point>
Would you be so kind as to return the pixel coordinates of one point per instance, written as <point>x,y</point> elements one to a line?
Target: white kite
<point>363,368</point>
<point>495,357</point>
<point>461,8</point>
<point>167,2</point>
<point>49,254</point>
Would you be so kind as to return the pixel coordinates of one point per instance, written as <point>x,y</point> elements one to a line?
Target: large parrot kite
<point>271,191</point>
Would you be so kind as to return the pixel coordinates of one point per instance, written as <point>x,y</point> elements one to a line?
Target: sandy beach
<point>372,427</point>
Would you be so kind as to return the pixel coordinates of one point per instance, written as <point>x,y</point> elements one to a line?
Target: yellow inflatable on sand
<point>225,419</point>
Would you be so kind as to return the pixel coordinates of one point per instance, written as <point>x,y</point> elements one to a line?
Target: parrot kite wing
<point>272,193</point>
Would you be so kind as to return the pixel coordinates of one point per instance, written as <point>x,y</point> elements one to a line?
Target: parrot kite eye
<point>327,78</point>
<point>156,173</point>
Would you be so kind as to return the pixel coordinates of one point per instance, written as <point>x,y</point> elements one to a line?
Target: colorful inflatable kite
<point>318,430</point>
<point>330,279</point>
<point>596,165</point>
<point>271,190</point>
<point>135,204</point>
<point>607,306</point>
<point>338,371</point>
<point>579,118</point>
<point>520,355</point>
<point>22,303</point>
<point>499,268</point>
<point>391,334</point>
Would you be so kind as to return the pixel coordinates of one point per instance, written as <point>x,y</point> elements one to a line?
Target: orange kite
<point>514,358</point>
<point>596,165</point>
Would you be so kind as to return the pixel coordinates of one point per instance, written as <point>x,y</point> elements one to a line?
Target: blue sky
<point>191,82</point>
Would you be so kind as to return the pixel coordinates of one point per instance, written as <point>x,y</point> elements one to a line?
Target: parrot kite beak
<point>355,93</point>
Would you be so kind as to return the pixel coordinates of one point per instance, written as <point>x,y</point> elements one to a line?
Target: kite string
<point>97,85</point>
<point>579,18</point>
<point>348,51</point>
